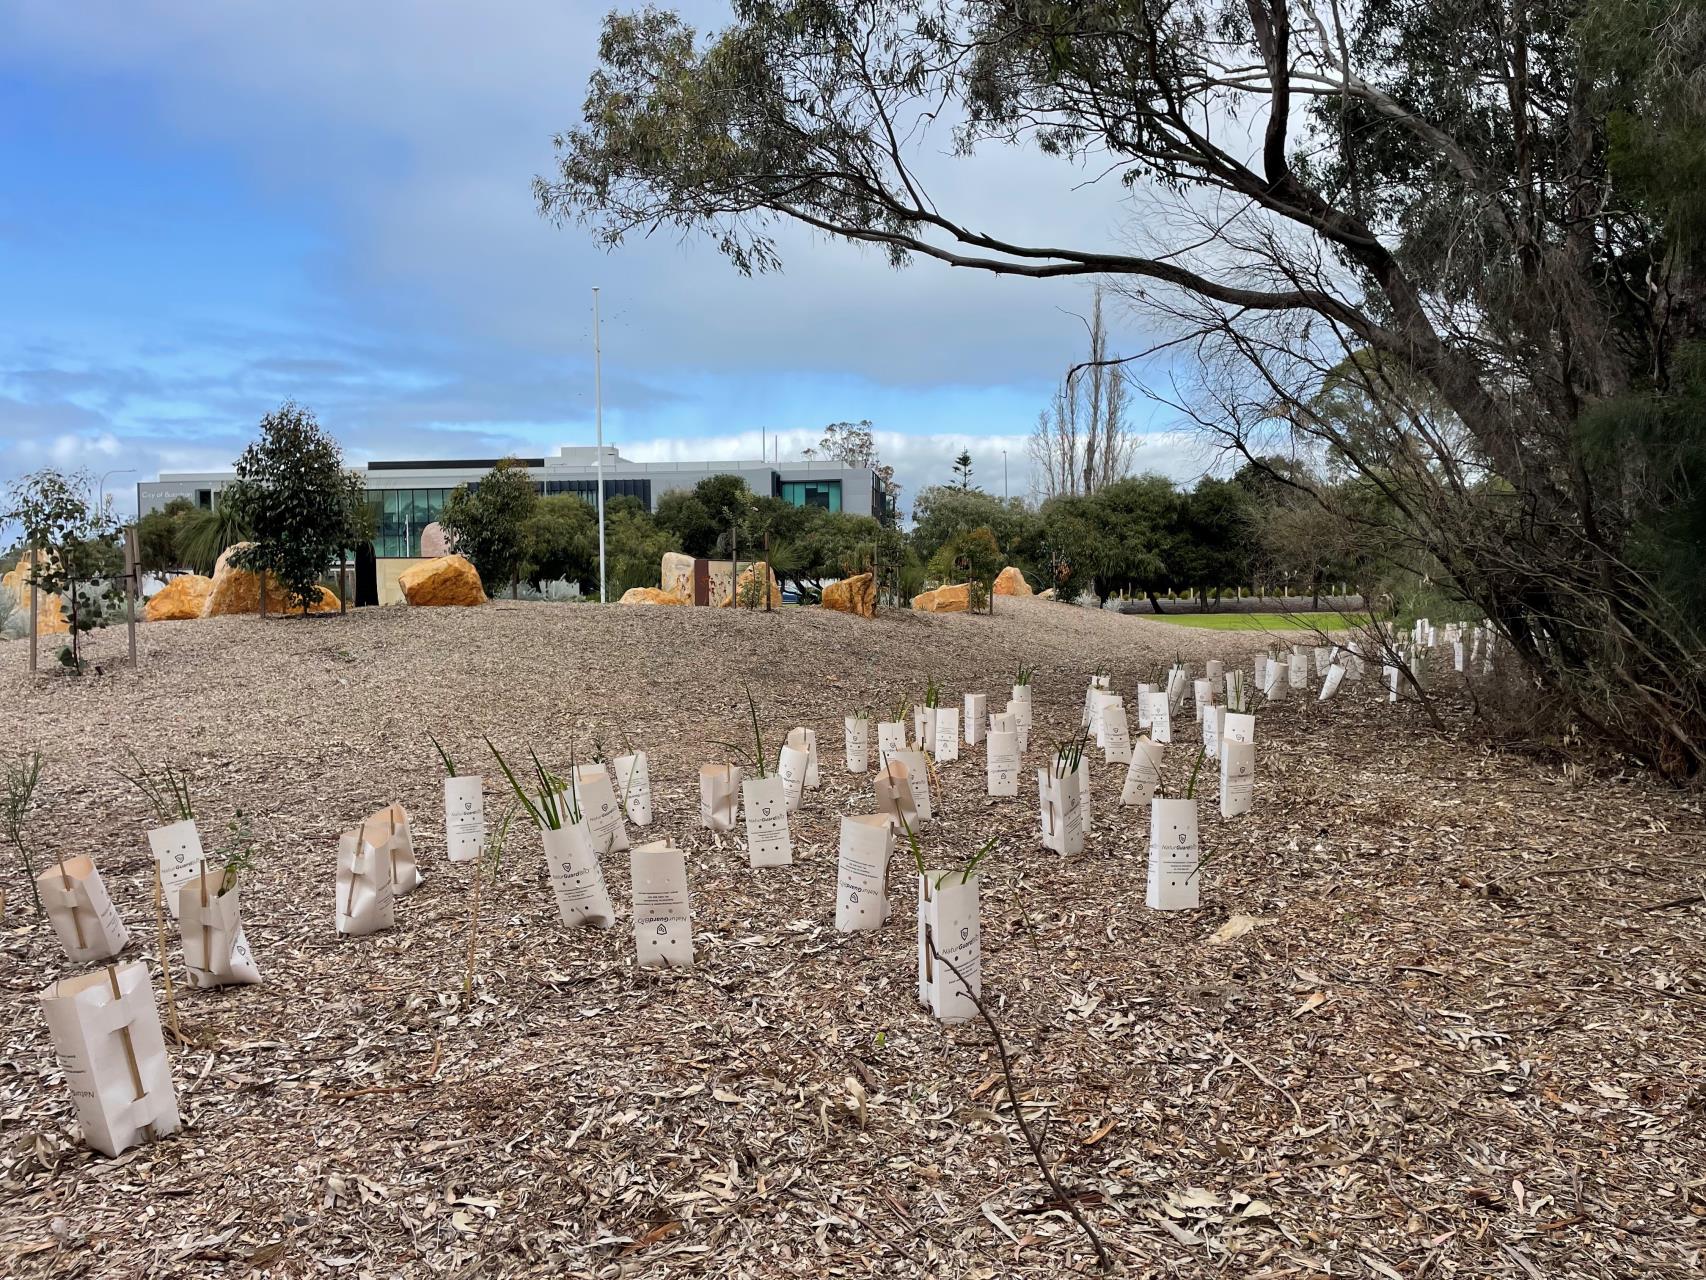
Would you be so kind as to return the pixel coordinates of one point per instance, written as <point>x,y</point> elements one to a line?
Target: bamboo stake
<point>124,1037</point>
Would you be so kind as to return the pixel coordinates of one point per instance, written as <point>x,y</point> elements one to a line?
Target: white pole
<point>598,419</point>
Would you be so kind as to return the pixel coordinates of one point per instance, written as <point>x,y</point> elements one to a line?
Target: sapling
<point>237,853</point>
<point>556,801</point>
<point>1023,678</point>
<point>487,868</point>
<point>168,792</point>
<point>756,759</point>
<point>22,777</point>
<point>444,758</point>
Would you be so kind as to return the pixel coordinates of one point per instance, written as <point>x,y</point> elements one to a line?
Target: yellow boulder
<point>955,599</point>
<point>748,591</point>
<point>448,580</point>
<point>650,595</point>
<point>1010,582</point>
<point>185,596</point>
<point>235,590</point>
<point>857,594</point>
<point>50,609</point>
<point>952,599</point>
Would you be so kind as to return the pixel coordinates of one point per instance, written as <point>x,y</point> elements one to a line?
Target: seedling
<point>965,872</point>
<point>22,777</point>
<point>1026,671</point>
<point>486,869</point>
<point>168,792</point>
<point>1069,755</point>
<point>238,853</point>
<point>932,693</point>
<point>755,759</point>
<point>556,802</point>
<point>1238,697</point>
<point>444,757</point>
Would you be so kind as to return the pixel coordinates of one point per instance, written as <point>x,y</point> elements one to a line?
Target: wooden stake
<point>165,957</point>
<point>206,929</point>
<point>76,920</point>
<point>35,607</point>
<point>124,1037</point>
<point>132,568</point>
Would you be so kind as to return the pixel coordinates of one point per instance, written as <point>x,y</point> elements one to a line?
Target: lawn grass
<point>1258,621</point>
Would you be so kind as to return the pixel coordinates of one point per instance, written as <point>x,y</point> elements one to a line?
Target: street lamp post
<point>101,485</point>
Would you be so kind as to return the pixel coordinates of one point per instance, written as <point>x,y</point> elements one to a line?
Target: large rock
<point>857,594</point>
<point>50,609</point>
<point>185,596</point>
<point>237,590</point>
<point>749,593</point>
<point>1010,582</point>
<point>953,599</point>
<point>434,543</point>
<point>651,595</point>
<point>448,580</point>
<point>675,575</point>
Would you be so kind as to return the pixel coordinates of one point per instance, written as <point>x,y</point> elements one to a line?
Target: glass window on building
<point>825,494</point>
<point>399,516</point>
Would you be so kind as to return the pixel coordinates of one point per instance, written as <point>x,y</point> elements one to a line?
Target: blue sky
<point>210,208</point>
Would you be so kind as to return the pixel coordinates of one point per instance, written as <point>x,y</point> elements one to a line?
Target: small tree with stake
<point>300,503</point>
<point>78,544</point>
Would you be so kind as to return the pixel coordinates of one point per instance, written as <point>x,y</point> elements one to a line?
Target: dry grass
<point>1461,1046</point>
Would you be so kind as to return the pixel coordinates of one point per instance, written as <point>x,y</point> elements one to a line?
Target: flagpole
<point>598,420</point>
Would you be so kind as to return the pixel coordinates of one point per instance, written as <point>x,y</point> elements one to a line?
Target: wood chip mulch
<point>1457,1033</point>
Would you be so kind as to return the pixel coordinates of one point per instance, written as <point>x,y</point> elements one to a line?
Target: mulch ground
<point>1463,1037</point>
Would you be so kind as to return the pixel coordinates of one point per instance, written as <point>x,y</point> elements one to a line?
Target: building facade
<point>407,496</point>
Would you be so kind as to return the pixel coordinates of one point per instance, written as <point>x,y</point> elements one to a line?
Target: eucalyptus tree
<point>1485,212</point>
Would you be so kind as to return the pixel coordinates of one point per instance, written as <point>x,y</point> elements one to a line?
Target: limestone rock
<point>749,593</point>
<point>1010,582</point>
<point>857,594</point>
<point>185,596</point>
<point>235,590</point>
<point>50,609</point>
<point>953,599</point>
<point>448,580</point>
<point>434,543</point>
<point>651,595</point>
<point>676,575</point>
<point>1046,595</point>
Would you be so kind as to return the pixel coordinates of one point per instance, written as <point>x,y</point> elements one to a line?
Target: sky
<point>208,209</point>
